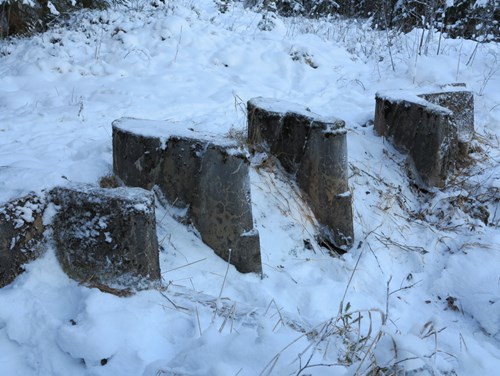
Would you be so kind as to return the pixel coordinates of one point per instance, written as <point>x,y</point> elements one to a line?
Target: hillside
<point>418,293</point>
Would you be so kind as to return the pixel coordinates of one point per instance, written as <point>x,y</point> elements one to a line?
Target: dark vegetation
<point>471,19</point>
<point>20,18</point>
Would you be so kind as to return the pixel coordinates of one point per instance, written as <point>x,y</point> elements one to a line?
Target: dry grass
<point>123,293</point>
<point>109,181</point>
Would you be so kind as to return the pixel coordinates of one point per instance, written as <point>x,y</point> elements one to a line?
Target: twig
<point>350,280</point>
<point>279,314</point>
<point>317,365</point>
<point>272,364</point>
<point>198,319</point>
<point>388,241</point>
<point>171,302</point>
<point>178,45</point>
<point>233,309</point>
<point>225,275</point>
<point>462,340</point>
<point>110,290</point>
<point>387,297</point>
<point>405,288</point>
<point>183,266</point>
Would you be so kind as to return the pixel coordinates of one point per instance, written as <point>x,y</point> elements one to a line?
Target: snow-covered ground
<point>420,290</point>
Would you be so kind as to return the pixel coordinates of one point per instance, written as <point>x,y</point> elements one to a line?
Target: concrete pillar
<point>223,210</point>
<point>314,149</point>
<point>207,176</point>
<point>433,128</point>
<point>461,104</point>
<point>21,235</point>
<point>136,158</point>
<point>106,235</point>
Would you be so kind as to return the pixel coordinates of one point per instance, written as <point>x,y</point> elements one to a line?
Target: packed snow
<point>419,291</point>
<point>164,130</point>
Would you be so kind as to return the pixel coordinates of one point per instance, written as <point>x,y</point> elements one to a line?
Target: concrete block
<point>314,149</point>
<point>461,104</point>
<point>21,235</point>
<point>222,211</point>
<point>106,235</point>
<point>136,158</point>
<point>180,167</point>
<point>206,175</point>
<point>433,128</point>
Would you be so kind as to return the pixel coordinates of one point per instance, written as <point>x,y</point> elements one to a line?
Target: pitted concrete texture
<point>208,176</point>
<point>222,211</point>
<point>461,104</point>
<point>21,235</point>
<point>314,149</point>
<point>433,128</point>
<point>140,158</point>
<point>180,169</point>
<point>106,235</point>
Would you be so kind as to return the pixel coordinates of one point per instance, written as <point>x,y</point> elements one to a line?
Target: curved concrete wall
<point>433,128</point>
<point>207,175</point>
<point>314,149</point>
<point>21,235</point>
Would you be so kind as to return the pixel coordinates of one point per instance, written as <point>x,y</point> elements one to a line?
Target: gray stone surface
<point>21,235</point>
<point>106,235</point>
<point>209,177</point>
<point>136,158</point>
<point>461,103</point>
<point>222,212</point>
<point>434,129</point>
<point>180,167</point>
<point>314,149</point>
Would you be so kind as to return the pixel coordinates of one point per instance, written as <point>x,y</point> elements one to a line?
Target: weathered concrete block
<point>207,176</point>
<point>180,167</point>
<point>461,104</point>
<point>106,235</point>
<point>315,149</point>
<point>222,211</point>
<point>432,128</point>
<point>136,158</point>
<point>21,235</point>
<point>18,17</point>
<point>280,129</point>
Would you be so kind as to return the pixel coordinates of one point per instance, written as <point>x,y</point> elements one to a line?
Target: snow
<point>163,130</point>
<point>408,96</point>
<point>424,269</point>
<point>329,125</point>
<point>53,10</point>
